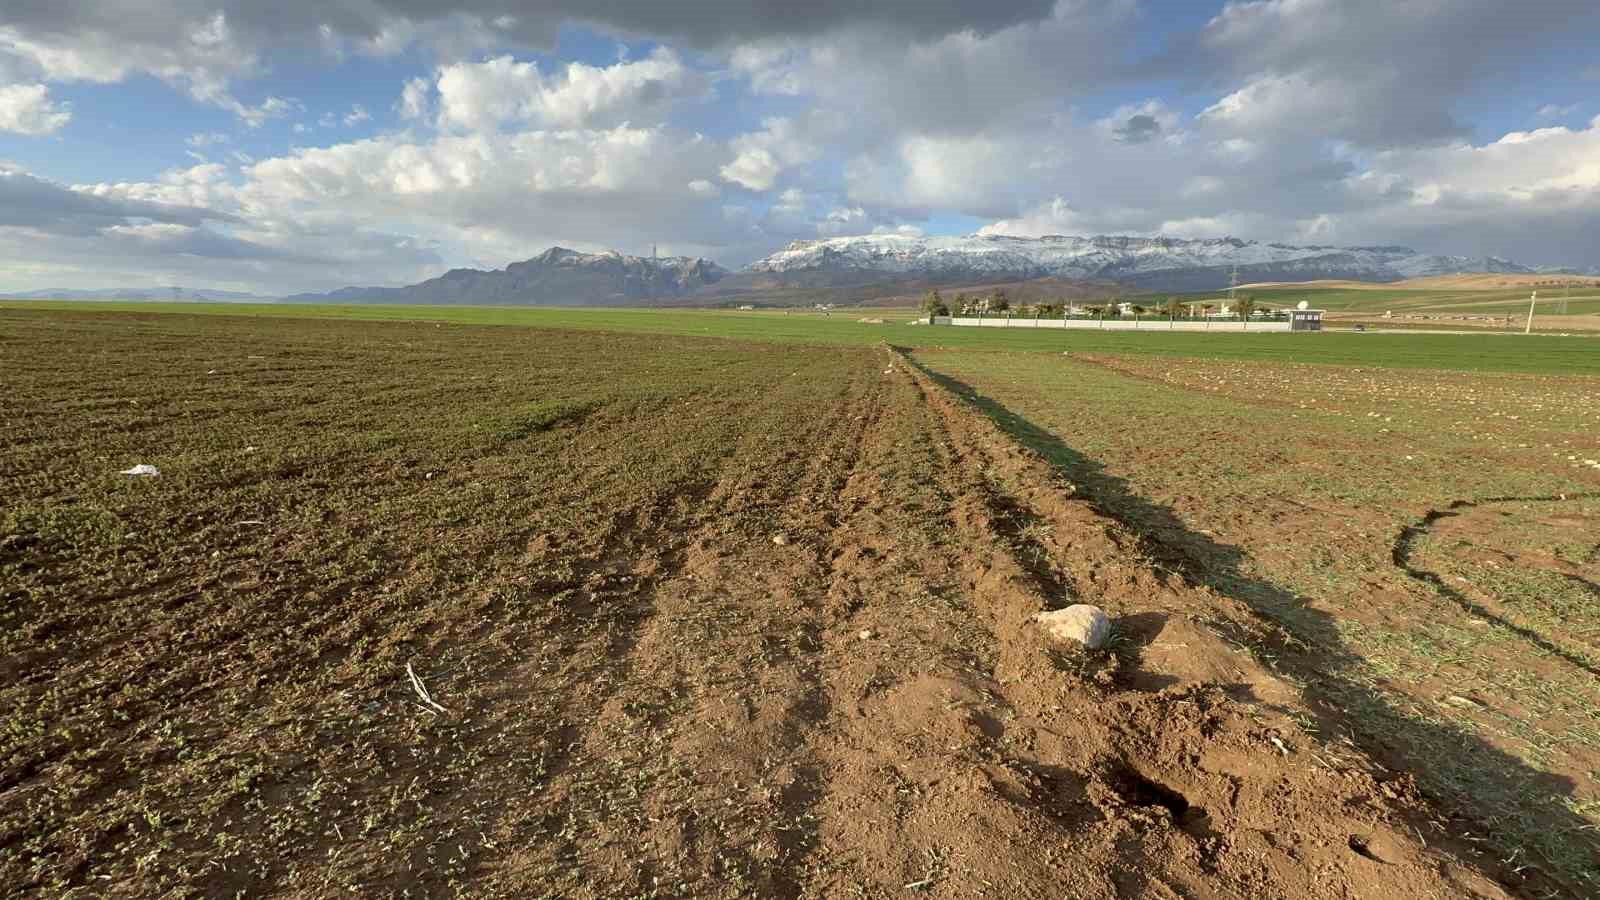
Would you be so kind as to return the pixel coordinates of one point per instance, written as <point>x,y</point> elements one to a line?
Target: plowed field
<point>422,610</point>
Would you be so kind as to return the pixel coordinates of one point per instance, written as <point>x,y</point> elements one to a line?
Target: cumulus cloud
<point>27,109</point>
<point>1371,71</point>
<point>486,95</point>
<point>1325,120</point>
<point>199,52</point>
<point>763,155</point>
<point>44,206</point>
<point>415,99</point>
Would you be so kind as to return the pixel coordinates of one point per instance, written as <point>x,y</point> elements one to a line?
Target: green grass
<point>1472,352</point>
<point>1287,488</point>
<point>1585,301</point>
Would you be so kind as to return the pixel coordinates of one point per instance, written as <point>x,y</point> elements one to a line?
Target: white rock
<point>866,634</point>
<point>1088,625</point>
<point>782,540</point>
<point>142,470</point>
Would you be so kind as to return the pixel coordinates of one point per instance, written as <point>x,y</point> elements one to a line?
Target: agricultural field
<point>642,604</point>
<point>1473,352</point>
<point>1425,546</point>
<point>1557,309</point>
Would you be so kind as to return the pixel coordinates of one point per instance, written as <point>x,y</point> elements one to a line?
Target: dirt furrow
<point>1174,762</point>
<point>689,774</point>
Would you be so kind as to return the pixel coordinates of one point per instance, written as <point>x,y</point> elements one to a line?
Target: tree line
<point>935,304</point>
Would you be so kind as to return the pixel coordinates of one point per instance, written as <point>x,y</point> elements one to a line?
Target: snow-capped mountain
<point>854,269</point>
<point>1153,263</point>
<point>556,277</point>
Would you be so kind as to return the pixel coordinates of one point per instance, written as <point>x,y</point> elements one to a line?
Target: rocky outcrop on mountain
<point>1173,264</point>
<point>556,277</point>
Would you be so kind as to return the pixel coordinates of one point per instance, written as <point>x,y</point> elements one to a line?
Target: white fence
<point>1004,321</point>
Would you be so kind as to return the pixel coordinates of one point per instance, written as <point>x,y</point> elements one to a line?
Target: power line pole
<point>1531,300</point>
<point>1233,288</point>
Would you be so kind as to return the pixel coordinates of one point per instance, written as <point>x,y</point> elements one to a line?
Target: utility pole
<point>1531,301</point>
<point>1233,287</point>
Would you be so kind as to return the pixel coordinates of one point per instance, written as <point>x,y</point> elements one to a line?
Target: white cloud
<point>486,95</point>
<point>257,115</point>
<point>762,156</point>
<point>1055,217</point>
<point>27,109</point>
<point>415,99</point>
<point>357,115</point>
<point>199,54</point>
<point>206,139</point>
<point>1553,111</point>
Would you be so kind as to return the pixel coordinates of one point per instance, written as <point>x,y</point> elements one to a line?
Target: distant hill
<point>171,294</point>
<point>556,277</point>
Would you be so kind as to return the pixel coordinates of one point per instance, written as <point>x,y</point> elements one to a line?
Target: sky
<point>304,145</point>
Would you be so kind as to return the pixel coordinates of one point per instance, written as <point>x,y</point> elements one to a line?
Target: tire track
<point>1405,546</point>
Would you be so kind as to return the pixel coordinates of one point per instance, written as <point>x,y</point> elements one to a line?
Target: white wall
<point>1000,321</point>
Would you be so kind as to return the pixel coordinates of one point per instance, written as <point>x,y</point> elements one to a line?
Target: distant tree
<point>1048,309</point>
<point>934,305</point>
<point>1114,308</point>
<point>1094,310</point>
<point>1207,308</point>
<point>1174,307</point>
<point>998,301</point>
<point>1245,305</point>
<point>1137,309</point>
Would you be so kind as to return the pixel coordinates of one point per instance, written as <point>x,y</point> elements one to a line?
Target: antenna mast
<point>1233,286</point>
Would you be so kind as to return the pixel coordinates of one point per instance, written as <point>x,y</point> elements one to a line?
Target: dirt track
<point>862,709</point>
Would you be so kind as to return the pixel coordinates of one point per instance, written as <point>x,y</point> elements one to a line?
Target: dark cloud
<point>1375,72</point>
<point>1138,129</point>
<point>27,201</point>
<point>702,23</point>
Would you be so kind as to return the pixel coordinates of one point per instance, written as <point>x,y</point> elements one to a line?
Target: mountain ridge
<point>864,268</point>
<point>558,276</point>
<point>1151,263</point>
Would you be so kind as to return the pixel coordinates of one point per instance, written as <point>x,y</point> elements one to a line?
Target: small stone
<point>866,634</point>
<point>781,539</point>
<point>1088,625</point>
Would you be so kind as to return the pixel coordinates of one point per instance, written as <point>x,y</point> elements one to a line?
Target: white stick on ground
<point>422,691</point>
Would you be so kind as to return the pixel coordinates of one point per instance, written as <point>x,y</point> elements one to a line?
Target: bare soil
<point>763,632</point>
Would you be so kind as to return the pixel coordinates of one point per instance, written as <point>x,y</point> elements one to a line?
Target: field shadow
<point>1475,787</point>
<point>1405,547</point>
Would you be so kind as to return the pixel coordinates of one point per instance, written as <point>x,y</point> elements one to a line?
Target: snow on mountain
<point>557,276</point>
<point>1157,263</point>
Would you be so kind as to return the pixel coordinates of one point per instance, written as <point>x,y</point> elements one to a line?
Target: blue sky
<point>219,144</point>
